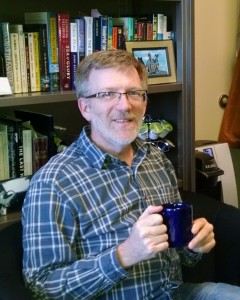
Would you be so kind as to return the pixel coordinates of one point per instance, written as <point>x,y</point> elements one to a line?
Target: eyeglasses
<point>163,145</point>
<point>138,95</point>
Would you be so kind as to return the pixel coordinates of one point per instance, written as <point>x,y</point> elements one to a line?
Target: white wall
<point>215,55</point>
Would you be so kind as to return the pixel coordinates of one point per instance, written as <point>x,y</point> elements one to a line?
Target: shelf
<point>45,98</point>
<point>9,219</point>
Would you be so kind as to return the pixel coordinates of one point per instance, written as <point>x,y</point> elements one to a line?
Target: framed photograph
<point>158,57</point>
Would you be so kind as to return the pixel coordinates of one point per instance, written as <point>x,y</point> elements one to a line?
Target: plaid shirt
<point>79,207</point>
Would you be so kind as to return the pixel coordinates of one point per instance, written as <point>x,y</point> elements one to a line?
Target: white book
<point>88,35</point>
<point>160,27</point>
<point>17,81</point>
<point>32,62</point>
<point>18,28</point>
<point>27,151</point>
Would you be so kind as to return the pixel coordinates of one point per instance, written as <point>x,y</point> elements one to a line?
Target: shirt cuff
<point>110,266</point>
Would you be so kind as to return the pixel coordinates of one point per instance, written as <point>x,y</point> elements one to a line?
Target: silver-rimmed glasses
<point>134,95</point>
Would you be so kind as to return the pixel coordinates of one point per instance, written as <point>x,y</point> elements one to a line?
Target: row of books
<point>43,53</point>
<point>26,143</point>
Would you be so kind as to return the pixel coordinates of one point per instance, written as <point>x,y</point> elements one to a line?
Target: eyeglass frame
<point>142,97</point>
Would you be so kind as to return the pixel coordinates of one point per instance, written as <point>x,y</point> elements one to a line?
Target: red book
<point>64,51</point>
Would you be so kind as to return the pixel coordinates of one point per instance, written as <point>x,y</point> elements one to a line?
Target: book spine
<point>19,157</point>
<point>2,173</point>
<point>36,60</point>
<point>97,40</point>
<point>88,35</point>
<point>81,38</point>
<point>155,26</point>
<point>64,51</point>
<point>43,58</point>
<point>149,36</point>
<point>39,152</point>
<point>53,54</point>
<point>27,63</point>
<point>12,151</point>
<point>160,29</point>
<point>23,62</point>
<point>18,28</point>
<point>73,52</point>
<point>114,37</point>
<point>16,63</point>
<point>110,33</point>
<point>32,62</point>
<point>4,131</point>
<point>104,37</point>
<point>27,151</point>
<point>120,37</point>
<point>7,53</point>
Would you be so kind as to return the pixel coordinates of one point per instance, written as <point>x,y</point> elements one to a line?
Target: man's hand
<point>147,238</point>
<point>203,240</point>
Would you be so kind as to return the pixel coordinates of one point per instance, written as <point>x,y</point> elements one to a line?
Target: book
<point>97,34</point>
<point>2,172</point>
<point>50,19</point>
<point>73,52</point>
<point>39,151</point>
<point>80,38</point>
<point>34,73</point>
<point>4,151</point>
<point>17,82</point>
<point>110,33</point>
<point>27,150</point>
<point>36,60</point>
<point>42,123</point>
<point>41,29</point>
<point>63,26</point>
<point>104,32</point>
<point>5,51</point>
<point>88,35</point>
<point>27,63</point>
<point>18,28</point>
<point>15,145</point>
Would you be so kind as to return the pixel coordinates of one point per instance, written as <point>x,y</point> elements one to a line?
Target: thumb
<point>150,210</point>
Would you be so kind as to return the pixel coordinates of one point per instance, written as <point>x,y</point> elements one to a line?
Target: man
<point>92,227</point>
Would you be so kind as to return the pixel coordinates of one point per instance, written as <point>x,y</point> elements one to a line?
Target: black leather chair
<point>11,281</point>
<point>220,265</point>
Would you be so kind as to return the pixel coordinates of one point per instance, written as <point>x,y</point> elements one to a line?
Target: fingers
<point>151,210</point>
<point>203,240</point>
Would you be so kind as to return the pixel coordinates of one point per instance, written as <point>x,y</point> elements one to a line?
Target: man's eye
<point>105,94</point>
<point>133,93</point>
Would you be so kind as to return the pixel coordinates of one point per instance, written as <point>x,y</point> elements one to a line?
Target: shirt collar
<point>101,159</point>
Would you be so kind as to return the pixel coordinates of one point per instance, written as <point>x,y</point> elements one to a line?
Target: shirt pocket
<point>161,195</point>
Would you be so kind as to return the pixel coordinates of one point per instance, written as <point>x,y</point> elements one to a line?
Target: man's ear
<point>84,106</point>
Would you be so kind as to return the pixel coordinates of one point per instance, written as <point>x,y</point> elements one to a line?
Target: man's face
<point>114,124</point>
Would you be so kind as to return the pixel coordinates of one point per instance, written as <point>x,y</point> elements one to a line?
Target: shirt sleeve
<point>188,257</point>
<point>53,265</point>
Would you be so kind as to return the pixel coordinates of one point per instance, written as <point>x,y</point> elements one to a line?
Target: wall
<point>215,55</point>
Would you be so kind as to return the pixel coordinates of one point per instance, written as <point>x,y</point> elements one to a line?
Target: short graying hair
<point>112,58</point>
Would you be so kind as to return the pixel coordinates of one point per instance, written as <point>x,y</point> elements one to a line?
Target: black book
<point>15,145</point>
<point>42,123</point>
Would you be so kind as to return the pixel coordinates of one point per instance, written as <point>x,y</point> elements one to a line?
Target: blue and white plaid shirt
<point>79,207</point>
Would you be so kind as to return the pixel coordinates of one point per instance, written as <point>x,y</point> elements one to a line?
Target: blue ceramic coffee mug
<point>178,217</point>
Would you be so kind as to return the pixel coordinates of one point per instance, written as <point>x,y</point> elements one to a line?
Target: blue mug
<point>178,217</point>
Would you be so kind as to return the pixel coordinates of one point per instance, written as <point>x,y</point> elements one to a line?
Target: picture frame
<point>158,57</point>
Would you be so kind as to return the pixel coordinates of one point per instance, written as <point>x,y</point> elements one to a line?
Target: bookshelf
<point>173,101</point>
